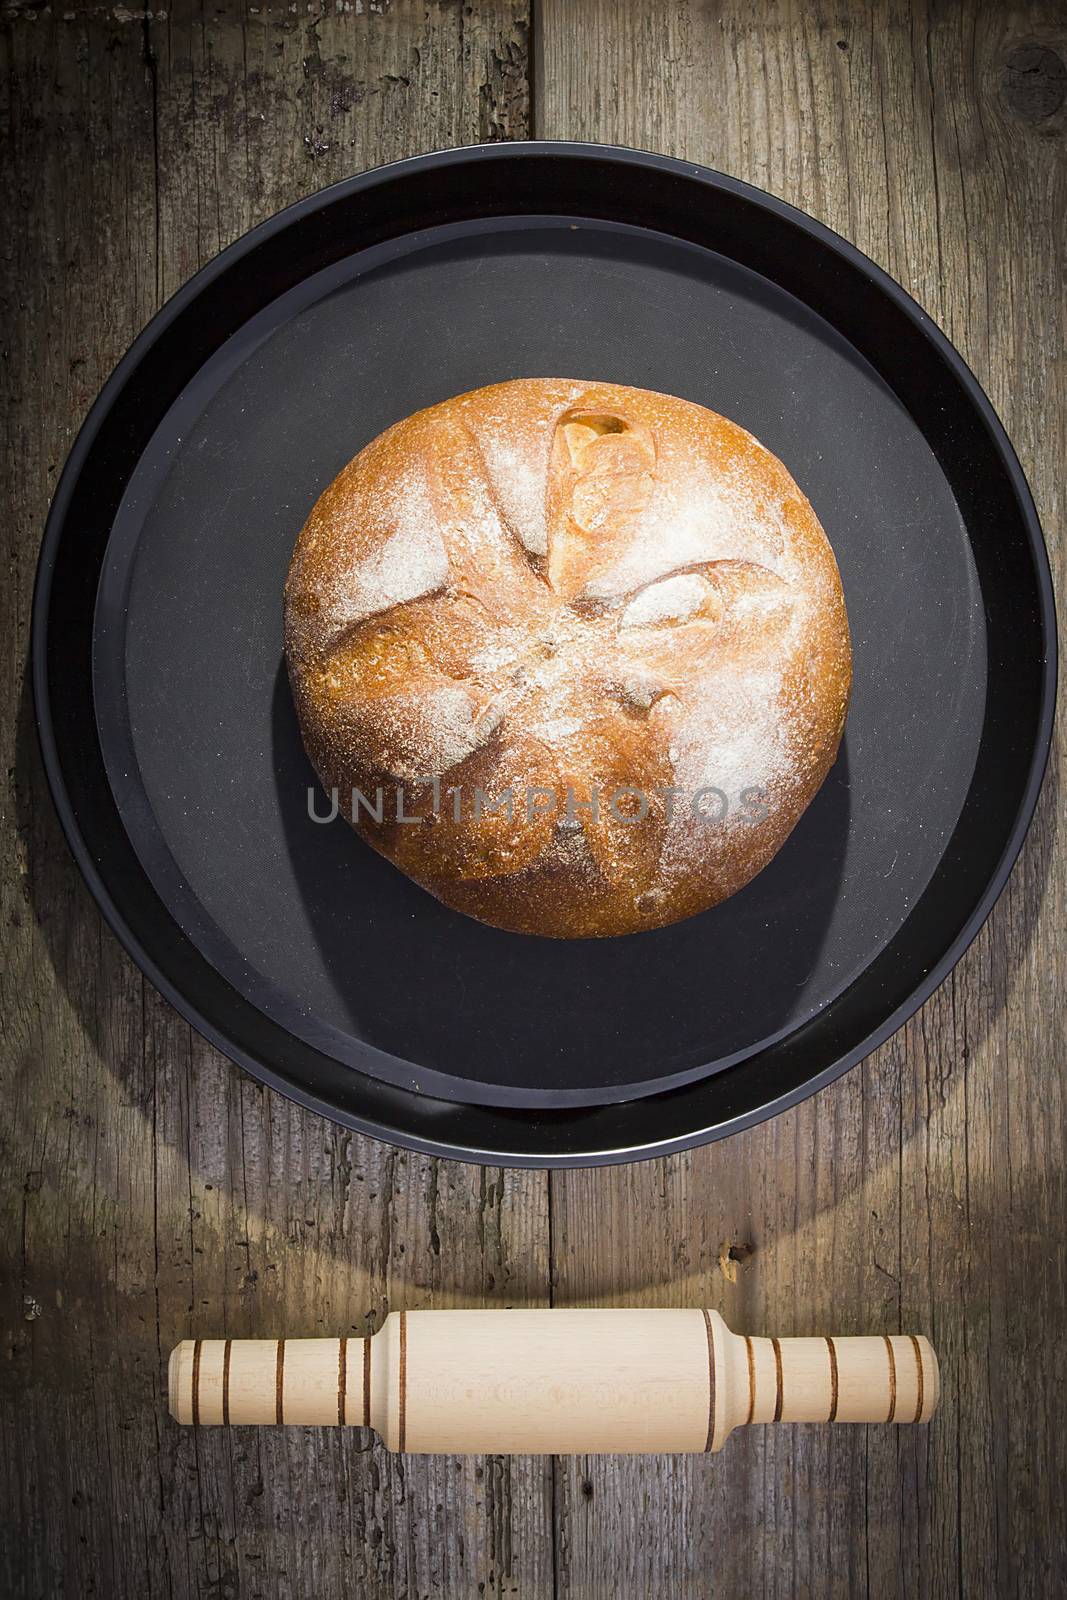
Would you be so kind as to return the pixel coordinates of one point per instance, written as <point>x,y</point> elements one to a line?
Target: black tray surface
<point>168,726</point>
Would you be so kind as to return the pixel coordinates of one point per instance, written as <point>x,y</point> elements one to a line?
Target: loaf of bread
<point>574,656</point>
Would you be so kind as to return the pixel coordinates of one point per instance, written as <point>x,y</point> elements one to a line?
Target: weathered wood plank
<point>148,1186</point>
<point>927,1188</point>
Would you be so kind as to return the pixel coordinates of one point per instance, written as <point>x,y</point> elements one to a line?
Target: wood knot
<point>1033,82</point>
<point>731,1256</point>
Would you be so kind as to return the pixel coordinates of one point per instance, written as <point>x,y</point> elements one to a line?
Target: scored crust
<point>564,591</point>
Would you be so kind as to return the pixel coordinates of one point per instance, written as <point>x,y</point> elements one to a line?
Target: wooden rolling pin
<point>553,1382</point>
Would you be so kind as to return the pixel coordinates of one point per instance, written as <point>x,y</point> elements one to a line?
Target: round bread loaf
<point>574,656</point>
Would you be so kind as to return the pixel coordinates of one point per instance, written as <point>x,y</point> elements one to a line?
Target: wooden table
<point>150,1188</point>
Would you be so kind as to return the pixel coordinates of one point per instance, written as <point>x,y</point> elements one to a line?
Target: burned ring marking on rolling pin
<point>833,1379</point>
<point>711,1382</point>
<point>402,1410</point>
<point>366,1382</point>
<point>342,1379</point>
<point>198,1344</point>
<point>750,1352</point>
<point>780,1391</point>
<point>279,1382</point>
<point>892,1378</point>
<point>226,1349</point>
<point>919,1377</point>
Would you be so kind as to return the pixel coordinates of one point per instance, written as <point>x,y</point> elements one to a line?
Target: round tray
<point>171,743</point>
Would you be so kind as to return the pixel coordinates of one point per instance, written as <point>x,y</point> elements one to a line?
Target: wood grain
<point>148,1189</point>
<point>925,1189</point>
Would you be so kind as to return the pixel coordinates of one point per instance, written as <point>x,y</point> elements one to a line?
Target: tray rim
<point>224,261</point>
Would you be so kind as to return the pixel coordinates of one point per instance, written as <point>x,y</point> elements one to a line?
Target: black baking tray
<point>169,735</point>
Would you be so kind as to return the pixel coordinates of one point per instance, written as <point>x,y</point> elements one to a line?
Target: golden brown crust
<point>550,587</point>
